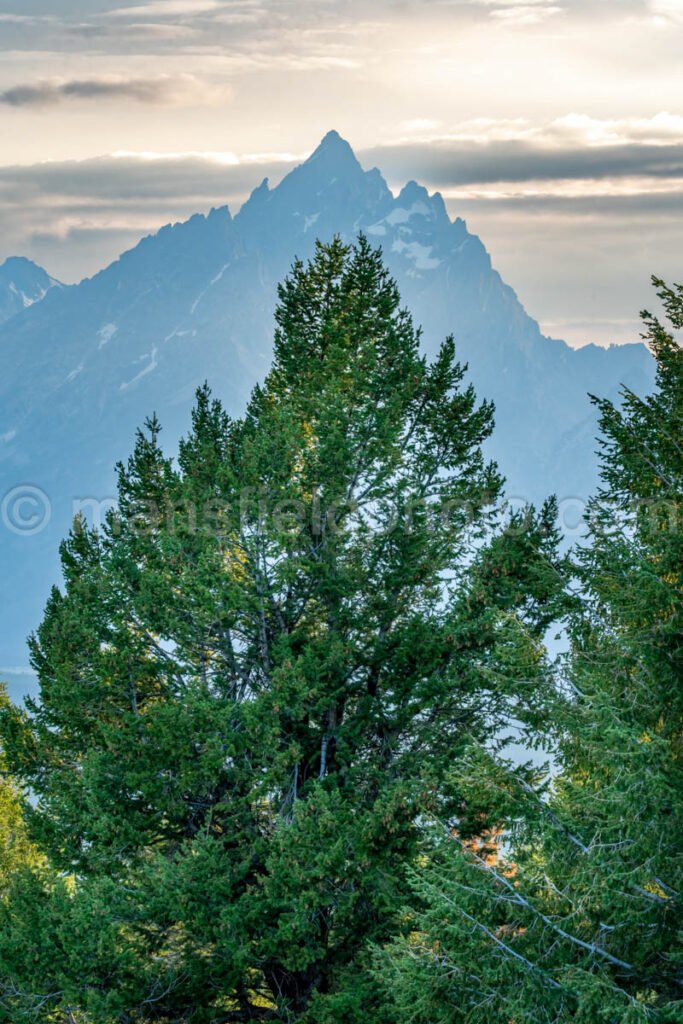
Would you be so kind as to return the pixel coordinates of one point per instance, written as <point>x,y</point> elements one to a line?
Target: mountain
<point>22,283</point>
<point>87,364</point>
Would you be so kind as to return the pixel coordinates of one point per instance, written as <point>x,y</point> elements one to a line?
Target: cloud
<point>667,11</point>
<point>525,14</point>
<point>421,125</point>
<point>165,89</point>
<point>77,216</point>
<point>575,129</point>
<point>520,12</point>
<point>510,4</point>
<point>660,129</point>
<point>462,162</point>
<point>571,148</point>
<point>123,177</point>
<point>140,32</point>
<point>166,9</point>
<point>17,19</point>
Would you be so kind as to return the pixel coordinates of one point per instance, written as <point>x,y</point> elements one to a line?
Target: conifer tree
<point>17,855</point>
<point>577,915</point>
<point>259,676</point>
<point>16,851</point>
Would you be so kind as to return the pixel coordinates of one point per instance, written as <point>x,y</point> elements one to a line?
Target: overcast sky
<point>555,127</point>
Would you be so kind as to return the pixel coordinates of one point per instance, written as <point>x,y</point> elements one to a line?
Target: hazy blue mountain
<point>83,367</point>
<point>22,283</point>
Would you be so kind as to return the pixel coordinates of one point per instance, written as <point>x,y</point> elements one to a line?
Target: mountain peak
<point>260,193</point>
<point>417,201</point>
<point>411,190</point>
<point>326,189</point>
<point>332,138</point>
<point>22,283</point>
<point>13,263</point>
<point>333,149</point>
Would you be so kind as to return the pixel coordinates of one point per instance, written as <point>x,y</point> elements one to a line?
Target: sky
<point>554,127</point>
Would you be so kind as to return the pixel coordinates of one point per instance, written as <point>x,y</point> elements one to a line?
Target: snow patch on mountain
<point>212,282</point>
<point>176,333</point>
<point>106,333</point>
<point>151,366</point>
<point>28,300</point>
<point>74,373</point>
<point>421,255</point>
<point>401,215</point>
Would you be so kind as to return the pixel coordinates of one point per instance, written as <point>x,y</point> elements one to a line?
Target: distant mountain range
<point>83,365</point>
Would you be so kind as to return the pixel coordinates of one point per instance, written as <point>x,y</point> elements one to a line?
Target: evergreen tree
<point>577,916</point>
<point>260,674</point>
<point>16,851</point>
<point>18,857</point>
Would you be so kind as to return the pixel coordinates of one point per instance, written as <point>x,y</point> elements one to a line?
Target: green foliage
<point>576,916</point>
<point>16,850</point>
<point>260,676</point>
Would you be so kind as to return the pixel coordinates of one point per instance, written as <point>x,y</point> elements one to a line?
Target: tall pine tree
<point>260,674</point>
<point>577,915</point>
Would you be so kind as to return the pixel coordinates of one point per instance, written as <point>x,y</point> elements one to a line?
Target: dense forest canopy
<point>267,777</point>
